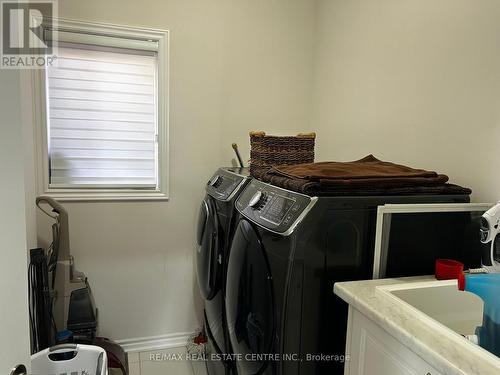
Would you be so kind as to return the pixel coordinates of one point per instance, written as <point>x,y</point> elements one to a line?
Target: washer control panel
<point>223,184</point>
<point>277,209</point>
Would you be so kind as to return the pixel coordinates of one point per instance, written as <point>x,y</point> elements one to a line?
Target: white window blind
<point>102,118</point>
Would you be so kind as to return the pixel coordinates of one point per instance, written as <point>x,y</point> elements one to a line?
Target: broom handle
<point>235,148</point>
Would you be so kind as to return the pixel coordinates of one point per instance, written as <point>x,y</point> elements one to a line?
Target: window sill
<point>100,196</point>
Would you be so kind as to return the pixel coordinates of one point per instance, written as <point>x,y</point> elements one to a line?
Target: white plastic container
<point>70,359</point>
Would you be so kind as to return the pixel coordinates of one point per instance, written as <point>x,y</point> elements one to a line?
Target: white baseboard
<point>142,344</point>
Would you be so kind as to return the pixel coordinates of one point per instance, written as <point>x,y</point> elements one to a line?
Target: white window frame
<point>40,121</point>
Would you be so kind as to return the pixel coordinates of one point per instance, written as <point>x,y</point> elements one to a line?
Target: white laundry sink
<point>441,301</point>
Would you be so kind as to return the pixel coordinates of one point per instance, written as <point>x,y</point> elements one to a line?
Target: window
<point>105,102</point>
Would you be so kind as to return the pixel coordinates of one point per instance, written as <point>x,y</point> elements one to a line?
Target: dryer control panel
<point>276,209</point>
<point>225,183</point>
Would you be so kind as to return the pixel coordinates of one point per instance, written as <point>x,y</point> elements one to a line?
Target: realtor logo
<point>23,39</point>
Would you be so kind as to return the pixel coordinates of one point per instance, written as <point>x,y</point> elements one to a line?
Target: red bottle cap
<point>200,339</point>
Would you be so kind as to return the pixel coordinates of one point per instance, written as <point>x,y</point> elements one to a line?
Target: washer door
<point>209,250</point>
<point>249,300</point>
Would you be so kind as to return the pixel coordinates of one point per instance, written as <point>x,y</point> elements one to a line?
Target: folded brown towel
<point>367,167</point>
<point>368,172</point>
<point>367,176</point>
<point>315,188</point>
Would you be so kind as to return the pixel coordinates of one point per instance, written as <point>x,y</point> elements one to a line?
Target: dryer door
<point>209,250</point>
<point>249,300</point>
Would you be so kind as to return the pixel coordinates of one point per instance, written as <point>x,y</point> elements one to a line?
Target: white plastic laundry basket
<point>70,359</point>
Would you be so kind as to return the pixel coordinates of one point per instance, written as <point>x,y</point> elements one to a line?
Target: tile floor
<point>163,362</point>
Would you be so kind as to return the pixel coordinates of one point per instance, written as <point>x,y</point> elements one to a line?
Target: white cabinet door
<point>372,351</point>
<point>14,331</point>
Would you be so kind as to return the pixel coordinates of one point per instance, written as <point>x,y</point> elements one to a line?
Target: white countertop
<point>449,354</point>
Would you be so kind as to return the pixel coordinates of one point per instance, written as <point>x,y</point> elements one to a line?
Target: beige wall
<point>267,69</point>
<point>411,81</point>
<point>235,66</point>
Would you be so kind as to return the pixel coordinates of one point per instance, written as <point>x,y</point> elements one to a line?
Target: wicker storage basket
<point>270,150</point>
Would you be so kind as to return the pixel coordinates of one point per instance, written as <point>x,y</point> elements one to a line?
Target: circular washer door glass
<point>208,250</point>
<point>249,300</point>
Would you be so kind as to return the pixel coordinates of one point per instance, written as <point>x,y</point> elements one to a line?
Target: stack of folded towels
<point>367,176</point>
